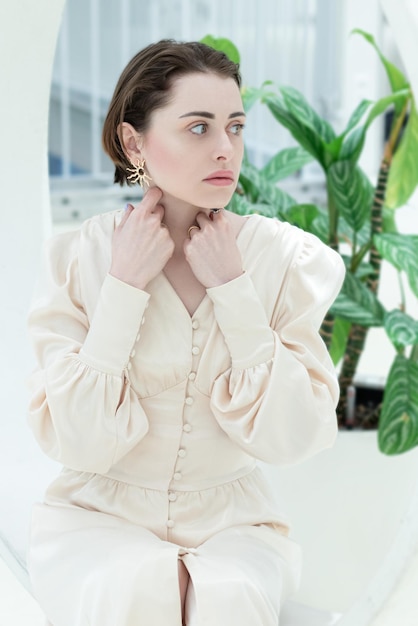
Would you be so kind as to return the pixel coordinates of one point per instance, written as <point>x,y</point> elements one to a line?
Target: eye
<point>199,129</point>
<point>236,129</point>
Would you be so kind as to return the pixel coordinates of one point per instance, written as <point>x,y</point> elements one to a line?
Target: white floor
<point>17,607</point>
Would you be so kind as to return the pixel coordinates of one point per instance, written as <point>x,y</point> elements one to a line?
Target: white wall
<point>28,33</point>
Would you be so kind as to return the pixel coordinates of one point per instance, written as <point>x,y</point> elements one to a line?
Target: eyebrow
<point>211,116</point>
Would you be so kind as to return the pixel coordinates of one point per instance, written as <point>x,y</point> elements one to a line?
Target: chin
<point>217,200</point>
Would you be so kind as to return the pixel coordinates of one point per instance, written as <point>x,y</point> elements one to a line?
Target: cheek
<point>164,157</point>
<point>159,157</point>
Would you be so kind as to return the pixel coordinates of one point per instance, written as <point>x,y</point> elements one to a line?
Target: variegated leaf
<point>396,78</point>
<point>401,329</point>
<point>357,304</point>
<point>353,145</point>
<point>340,150</point>
<point>302,215</point>
<point>303,133</point>
<point>286,163</point>
<point>402,252</point>
<point>352,193</point>
<point>397,99</point>
<point>398,423</point>
<point>345,233</point>
<point>240,204</point>
<point>357,115</point>
<point>403,174</point>
<point>320,227</point>
<point>250,95</point>
<point>298,105</point>
<point>268,192</point>
<point>354,141</point>
<point>340,332</point>
<point>222,44</point>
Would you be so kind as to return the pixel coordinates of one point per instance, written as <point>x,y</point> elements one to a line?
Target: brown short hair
<point>144,86</point>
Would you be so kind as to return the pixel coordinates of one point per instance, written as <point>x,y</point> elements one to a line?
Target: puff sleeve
<point>278,399</point>
<point>82,410</point>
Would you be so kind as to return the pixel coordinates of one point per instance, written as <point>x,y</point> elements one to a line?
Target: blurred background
<point>302,43</point>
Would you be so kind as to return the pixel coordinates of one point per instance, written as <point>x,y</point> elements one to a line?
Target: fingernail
<point>127,205</point>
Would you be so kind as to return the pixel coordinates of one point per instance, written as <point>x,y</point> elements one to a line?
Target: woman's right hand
<point>141,244</point>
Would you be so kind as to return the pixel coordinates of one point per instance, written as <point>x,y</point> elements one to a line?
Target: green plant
<point>358,221</point>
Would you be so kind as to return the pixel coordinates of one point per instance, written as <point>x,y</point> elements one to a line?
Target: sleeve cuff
<point>114,327</point>
<point>243,322</point>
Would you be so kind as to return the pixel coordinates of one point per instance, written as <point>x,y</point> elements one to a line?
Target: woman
<point>177,344</point>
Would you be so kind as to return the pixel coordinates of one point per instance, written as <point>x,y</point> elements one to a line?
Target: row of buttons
<point>138,337</point>
<point>182,453</point>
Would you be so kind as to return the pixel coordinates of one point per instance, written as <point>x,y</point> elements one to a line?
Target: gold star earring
<point>139,174</point>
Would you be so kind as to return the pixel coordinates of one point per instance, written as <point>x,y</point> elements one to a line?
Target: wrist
<point>226,278</point>
<point>132,281</point>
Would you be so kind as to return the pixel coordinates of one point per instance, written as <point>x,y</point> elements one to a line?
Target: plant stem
<point>333,220</point>
<point>353,351</point>
<point>376,223</point>
<point>357,336</point>
<point>354,248</point>
<point>395,134</point>
<point>414,354</point>
<point>402,306</point>
<point>326,330</point>
<point>328,323</point>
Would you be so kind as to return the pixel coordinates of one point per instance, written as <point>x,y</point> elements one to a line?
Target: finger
<point>126,213</point>
<point>187,247</point>
<point>158,210</point>
<point>202,219</point>
<point>215,214</point>
<point>192,230</point>
<point>151,199</point>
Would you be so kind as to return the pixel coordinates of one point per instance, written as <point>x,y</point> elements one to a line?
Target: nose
<point>223,150</point>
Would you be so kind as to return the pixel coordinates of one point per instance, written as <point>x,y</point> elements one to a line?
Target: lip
<point>221,177</point>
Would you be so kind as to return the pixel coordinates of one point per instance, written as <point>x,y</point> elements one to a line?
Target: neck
<point>178,217</point>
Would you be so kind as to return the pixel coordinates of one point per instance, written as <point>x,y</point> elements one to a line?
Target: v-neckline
<point>164,277</point>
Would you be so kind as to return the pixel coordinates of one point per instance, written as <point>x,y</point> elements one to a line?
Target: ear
<point>131,141</point>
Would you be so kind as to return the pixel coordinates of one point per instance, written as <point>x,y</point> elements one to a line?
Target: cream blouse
<point>133,390</point>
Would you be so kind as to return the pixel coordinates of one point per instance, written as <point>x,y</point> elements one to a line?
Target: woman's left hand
<point>212,251</point>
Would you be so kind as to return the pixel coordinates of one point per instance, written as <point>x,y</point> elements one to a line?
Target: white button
<point>195,350</point>
<point>138,337</point>
<point>129,366</point>
<point>172,496</point>
<point>182,453</point>
<point>169,523</point>
<point>189,401</point>
<point>187,428</point>
<point>195,324</point>
<point>192,375</point>
<point>177,476</point>
<point>133,353</point>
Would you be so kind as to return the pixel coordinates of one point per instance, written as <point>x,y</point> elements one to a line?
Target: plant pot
<point>364,401</point>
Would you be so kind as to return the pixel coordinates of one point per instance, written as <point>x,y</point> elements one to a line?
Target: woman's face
<point>193,148</point>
